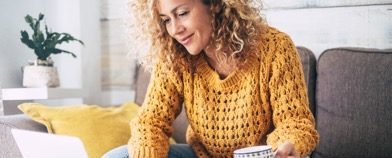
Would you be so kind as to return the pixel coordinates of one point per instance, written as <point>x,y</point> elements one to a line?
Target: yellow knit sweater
<point>263,102</point>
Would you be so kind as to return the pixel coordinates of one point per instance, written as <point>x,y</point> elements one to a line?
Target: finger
<point>276,155</point>
<point>284,150</point>
<point>295,153</point>
<point>281,153</point>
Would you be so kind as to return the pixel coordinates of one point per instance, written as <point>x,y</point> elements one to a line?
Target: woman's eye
<point>183,13</point>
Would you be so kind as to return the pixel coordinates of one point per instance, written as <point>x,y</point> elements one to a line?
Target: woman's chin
<point>193,52</point>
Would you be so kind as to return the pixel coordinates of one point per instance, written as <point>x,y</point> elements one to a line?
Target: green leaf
<point>41,54</point>
<point>37,27</point>
<point>67,38</point>
<point>44,42</point>
<point>58,51</point>
<point>30,21</point>
<point>40,16</point>
<point>53,41</point>
<point>26,40</point>
<point>47,31</point>
<point>40,37</point>
<point>48,39</point>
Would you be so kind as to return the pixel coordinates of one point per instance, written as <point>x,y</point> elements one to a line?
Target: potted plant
<point>41,72</point>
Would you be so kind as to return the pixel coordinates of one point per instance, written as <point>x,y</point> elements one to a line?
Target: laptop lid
<point>44,145</point>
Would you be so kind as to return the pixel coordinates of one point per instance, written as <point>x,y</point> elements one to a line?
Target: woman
<point>239,81</point>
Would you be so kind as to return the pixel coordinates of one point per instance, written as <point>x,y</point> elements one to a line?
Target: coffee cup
<point>262,151</point>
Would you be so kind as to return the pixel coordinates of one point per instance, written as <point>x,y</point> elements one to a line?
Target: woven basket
<point>40,76</point>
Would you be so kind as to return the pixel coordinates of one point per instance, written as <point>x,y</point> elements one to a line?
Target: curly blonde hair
<point>237,28</point>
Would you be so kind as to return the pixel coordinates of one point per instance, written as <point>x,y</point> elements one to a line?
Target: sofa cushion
<point>100,128</point>
<point>353,98</point>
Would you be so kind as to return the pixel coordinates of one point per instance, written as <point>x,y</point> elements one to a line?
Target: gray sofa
<point>350,95</point>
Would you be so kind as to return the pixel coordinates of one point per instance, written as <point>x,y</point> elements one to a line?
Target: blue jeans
<point>175,151</point>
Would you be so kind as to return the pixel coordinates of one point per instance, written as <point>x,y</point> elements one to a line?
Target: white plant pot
<point>40,76</point>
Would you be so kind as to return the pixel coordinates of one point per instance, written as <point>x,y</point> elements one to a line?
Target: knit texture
<point>263,102</point>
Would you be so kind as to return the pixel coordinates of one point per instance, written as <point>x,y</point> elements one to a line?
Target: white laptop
<point>44,145</point>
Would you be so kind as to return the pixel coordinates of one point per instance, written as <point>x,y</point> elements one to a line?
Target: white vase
<point>40,76</point>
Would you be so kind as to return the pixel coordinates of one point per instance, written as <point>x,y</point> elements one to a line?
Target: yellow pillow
<point>100,129</point>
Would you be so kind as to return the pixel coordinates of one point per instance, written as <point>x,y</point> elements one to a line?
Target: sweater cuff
<point>144,152</point>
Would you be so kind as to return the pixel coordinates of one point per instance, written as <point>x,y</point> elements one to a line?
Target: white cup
<point>263,151</point>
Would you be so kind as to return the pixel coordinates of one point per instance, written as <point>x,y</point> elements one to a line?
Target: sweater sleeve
<point>292,118</point>
<point>196,145</point>
<point>151,129</point>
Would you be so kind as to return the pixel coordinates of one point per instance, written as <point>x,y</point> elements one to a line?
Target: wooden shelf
<point>40,93</point>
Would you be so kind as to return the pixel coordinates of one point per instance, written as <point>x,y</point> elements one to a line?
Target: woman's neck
<point>223,67</point>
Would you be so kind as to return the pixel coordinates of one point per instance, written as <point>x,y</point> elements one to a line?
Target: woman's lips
<point>186,40</point>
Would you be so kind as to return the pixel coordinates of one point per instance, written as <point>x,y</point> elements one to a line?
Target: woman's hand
<point>286,150</point>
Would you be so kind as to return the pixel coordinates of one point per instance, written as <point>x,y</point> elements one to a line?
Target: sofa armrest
<point>7,144</point>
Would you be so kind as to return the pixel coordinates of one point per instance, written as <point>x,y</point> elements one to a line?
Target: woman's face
<point>188,22</point>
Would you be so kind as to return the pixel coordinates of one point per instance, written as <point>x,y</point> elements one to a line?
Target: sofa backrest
<point>354,103</point>
<point>8,146</point>
<point>308,61</point>
<point>180,124</point>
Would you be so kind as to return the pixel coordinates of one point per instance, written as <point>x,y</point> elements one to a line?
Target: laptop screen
<point>44,145</point>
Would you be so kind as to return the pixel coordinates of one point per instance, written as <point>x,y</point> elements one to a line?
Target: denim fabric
<point>119,152</point>
<point>175,151</point>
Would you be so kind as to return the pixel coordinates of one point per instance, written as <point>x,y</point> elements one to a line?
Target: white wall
<point>61,16</point>
<point>80,18</point>
<point>91,53</point>
<point>117,69</point>
<point>319,25</point>
<point>13,53</point>
<point>290,4</point>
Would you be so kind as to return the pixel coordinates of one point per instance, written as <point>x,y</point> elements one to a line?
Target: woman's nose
<point>177,27</point>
